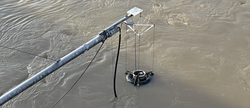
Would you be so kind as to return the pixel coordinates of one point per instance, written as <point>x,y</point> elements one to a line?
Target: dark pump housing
<point>139,77</point>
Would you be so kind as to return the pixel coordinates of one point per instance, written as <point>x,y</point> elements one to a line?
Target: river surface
<point>199,52</point>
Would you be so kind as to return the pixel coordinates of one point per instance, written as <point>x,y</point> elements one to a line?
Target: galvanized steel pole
<point>111,30</point>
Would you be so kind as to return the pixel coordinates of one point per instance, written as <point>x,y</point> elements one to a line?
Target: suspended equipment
<point>138,77</point>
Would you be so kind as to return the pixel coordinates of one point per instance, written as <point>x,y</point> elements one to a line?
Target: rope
<point>26,52</point>
<point>116,63</point>
<point>79,77</point>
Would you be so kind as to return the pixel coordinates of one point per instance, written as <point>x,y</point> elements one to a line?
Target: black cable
<point>79,77</point>
<point>117,57</point>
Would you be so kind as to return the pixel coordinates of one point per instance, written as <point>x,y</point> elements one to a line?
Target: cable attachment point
<point>109,32</point>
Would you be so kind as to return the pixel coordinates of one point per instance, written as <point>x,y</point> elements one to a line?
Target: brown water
<point>201,53</point>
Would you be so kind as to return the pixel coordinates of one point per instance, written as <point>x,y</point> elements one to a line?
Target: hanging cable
<point>26,52</point>
<point>40,104</point>
<point>135,53</point>
<point>126,69</point>
<point>153,50</point>
<point>79,76</point>
<point>116,63</point>
<point>139,55</point>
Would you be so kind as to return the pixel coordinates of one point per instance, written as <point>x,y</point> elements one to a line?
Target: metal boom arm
<point>108,32</point>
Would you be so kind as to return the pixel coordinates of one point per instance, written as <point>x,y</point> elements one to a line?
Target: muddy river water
<point>199,52</point>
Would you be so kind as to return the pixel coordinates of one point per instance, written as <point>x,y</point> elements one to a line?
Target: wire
<point>57,84</point>
<point>153,50</point>
<point>153,42</point>
<point>135,53</point>
<point>116,63</point>
<point>139,55</point>
<point>79,77</point>
<point>26,52</point>
<point>126,50</point>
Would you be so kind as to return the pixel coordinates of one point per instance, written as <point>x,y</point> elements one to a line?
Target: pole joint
<point>109,32</point>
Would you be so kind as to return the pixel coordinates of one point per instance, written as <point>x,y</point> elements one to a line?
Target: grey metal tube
<point>111,30</point>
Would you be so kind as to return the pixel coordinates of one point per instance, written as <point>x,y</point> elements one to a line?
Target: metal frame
<point>132,24</point>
